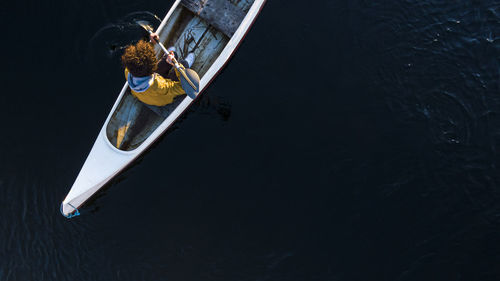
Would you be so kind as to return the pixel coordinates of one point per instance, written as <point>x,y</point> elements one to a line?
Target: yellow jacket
<point>160,92</point>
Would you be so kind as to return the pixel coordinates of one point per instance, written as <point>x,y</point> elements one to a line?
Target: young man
<point>148,78</point>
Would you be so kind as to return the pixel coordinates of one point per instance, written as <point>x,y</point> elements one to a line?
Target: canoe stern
<point>102,164</point>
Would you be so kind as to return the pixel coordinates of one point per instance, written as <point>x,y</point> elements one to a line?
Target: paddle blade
<point>145,25</point>
<point>195,79</point>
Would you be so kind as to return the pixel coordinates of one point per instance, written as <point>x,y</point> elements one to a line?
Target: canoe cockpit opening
<point>133,122</point>
<point>201,33</point>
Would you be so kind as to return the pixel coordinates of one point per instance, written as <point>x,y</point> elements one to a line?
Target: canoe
<point>212,29</point>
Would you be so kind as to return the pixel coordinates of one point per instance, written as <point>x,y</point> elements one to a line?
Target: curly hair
<point>140,59</point>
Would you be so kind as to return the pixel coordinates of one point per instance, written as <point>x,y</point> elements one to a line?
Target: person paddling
<point>153,81</point>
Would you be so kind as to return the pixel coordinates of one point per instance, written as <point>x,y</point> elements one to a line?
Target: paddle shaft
<point>177,65</point>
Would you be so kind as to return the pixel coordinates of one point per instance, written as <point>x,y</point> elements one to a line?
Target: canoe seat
<point>165,111</point>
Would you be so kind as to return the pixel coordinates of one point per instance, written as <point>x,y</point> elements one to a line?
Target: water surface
<point>345,140</point>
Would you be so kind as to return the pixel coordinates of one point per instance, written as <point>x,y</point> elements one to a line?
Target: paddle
<point>190,80</point>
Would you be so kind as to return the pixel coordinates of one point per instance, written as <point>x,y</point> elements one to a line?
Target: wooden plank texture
<point>224,15</point>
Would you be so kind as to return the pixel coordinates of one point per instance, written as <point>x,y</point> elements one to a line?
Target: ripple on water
<point>449,67</point>
<point>109,41</point>
<point>39,243</point>
<point>440,71</point>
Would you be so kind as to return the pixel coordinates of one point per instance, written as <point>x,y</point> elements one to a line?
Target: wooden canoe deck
<point>203,27</point>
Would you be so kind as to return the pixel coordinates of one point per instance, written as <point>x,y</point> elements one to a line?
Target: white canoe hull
<point>105,161</point>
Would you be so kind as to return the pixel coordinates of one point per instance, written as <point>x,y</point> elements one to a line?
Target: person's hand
<point>154,37</point>
<point>170,58</point>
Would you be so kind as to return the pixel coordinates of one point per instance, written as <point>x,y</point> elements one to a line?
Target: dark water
<point>346,140</point>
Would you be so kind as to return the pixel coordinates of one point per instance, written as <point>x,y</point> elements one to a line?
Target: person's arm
<point>172,88</point>
<point>169,87</point>
<point>155,39</point>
